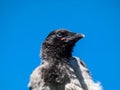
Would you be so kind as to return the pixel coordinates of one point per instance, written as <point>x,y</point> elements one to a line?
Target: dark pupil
<point>59,35</point>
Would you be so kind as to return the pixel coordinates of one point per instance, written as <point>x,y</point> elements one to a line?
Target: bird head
<point>61,42</point>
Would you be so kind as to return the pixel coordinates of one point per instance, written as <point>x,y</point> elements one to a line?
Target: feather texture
<point>80,78</point>
<point>59,69</point>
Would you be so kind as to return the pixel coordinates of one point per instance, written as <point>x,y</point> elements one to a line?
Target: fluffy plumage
<point>59,69</point>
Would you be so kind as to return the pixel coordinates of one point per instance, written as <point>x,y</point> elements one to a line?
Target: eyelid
<point>59,34</point>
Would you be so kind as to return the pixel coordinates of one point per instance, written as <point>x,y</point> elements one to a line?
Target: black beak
<point>78,36</point>
<point>75,37</point>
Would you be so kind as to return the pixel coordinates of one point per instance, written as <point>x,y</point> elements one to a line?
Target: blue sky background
<point>24,25</point>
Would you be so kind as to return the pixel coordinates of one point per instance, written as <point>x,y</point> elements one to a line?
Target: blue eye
<point>59,35</point>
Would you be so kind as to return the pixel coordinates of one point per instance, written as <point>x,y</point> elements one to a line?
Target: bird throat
<point>58,58</point>
<point>56,52</point>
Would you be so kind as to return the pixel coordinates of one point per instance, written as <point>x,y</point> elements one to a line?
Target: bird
<point>59,70</point>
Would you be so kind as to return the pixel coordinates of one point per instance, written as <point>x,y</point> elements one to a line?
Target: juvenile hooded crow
<point>59,70</point>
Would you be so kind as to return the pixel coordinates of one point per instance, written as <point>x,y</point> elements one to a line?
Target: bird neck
<point>56,52</point>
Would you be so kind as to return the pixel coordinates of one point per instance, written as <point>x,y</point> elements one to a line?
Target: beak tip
<point>83,35</point>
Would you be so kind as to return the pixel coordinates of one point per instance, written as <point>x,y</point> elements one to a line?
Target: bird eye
<point>59,35</point>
